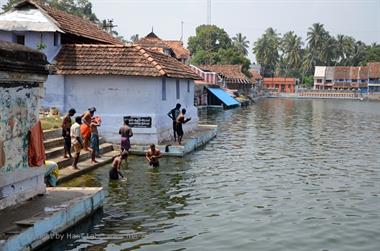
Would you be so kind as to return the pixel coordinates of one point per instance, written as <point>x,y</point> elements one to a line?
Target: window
<point>319,80</point>
<point>20,39</point>
<point>188,85</point>
<point>177,88</point>
<point>163,89</point>
<point>55,39</point>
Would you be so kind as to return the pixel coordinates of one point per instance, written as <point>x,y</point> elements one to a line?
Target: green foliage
<point>212,45</point>
<point>372,53</point>
<point>266,49</point>
<point>41,46</point>
<point>286,57</point>
<point>241,43</point>
<point>308,81</point>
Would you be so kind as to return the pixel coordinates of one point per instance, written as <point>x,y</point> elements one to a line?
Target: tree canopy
<point>212,45</point>
<point>287,55</point>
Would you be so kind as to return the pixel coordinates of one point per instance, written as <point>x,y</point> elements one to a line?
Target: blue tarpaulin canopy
<point>223,96</point>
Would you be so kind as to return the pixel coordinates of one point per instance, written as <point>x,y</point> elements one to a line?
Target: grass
<point>48,123</point>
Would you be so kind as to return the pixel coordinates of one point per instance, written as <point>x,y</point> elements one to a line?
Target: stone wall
<point>22,73</point>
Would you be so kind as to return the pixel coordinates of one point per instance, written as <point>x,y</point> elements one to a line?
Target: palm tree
<point>135,38</point>
<point>291,51</point>
<point>266,51</point>
<point>241,43</point>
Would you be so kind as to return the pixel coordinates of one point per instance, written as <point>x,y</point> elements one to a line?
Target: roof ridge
<point>52,12</point>
<point>149,57</point>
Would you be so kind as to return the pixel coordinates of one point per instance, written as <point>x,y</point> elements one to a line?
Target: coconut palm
<point>266,51</point>
<point>291,51</point>
<point>135,38</point>
<point>241,43</point>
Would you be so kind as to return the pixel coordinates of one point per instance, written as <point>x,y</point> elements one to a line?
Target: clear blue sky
<point>357,18</point>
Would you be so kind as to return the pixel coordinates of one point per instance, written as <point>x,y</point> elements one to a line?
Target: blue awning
<point>223,96</point>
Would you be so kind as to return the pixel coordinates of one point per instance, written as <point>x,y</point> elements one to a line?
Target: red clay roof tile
<point>231,73</point>
<point>73,24</point>
<point>129,60</point>
<point>374,69</point>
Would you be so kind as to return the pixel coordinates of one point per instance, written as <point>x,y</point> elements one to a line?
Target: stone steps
<point>54,152</point>
<point>57,150</point>
<point>85,166</point>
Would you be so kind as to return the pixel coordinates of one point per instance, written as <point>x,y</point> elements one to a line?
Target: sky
<point>357,18</point>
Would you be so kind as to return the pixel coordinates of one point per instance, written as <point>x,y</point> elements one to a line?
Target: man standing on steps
<point>66,125</point>
<point>76,140</point>
<point>173,114</point>
<point>180,121</point>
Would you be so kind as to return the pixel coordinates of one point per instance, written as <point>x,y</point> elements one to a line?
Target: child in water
<point>116,164</point>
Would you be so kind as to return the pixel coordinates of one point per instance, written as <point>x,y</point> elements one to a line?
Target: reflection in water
<point>281,175</point>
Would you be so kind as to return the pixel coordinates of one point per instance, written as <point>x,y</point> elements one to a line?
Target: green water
<point>281,175</point>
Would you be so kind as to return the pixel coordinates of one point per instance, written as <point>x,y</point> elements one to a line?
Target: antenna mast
<point>209,12</point>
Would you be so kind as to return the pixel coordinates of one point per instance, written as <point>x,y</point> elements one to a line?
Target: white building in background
<point>92,68</point>
<point>38,26</point>
<point>127,82</point>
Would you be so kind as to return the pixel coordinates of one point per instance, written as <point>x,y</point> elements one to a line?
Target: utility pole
<point>181,31</point>
<point>209,12</point>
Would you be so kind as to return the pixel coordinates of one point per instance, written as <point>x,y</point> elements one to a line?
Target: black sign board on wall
<point>139,122</point>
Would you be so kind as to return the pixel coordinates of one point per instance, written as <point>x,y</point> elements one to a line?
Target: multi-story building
<point>286,85</point>
<point>362,78</point>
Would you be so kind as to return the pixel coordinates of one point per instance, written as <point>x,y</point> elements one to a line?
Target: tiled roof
<point>363,72</point>
<point>342,72</point>
<point>279,80</point>
<point>129,60</point>
<point>73,24</point>
<point>374,69</point>
<point>152,41</point>
<point>255,75</point>
<point>177,47</point>
<point>231,73</point>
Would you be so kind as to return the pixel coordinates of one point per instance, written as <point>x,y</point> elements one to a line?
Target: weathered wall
<point>117,96</point>
<point>19,112</point>
<point>19,104</point>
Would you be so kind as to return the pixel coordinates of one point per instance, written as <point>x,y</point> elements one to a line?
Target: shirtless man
<point>66,125</point>
<point>95,122</point>
<point>153,155</point>
<point>180,121</point>
<point>85,128</point>
<point>116,164</point>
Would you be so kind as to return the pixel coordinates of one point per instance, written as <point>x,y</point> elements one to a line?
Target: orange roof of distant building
<point>255,75</point>
<point>153,42</point>
<point>279,79</point>
<point>374,69</point>
<point>73,24</point>
<point>129,60</point>
<point>177,47</point>
<point>231,73</point>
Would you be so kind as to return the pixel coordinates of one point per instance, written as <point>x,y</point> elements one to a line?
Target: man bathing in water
<point>116,164</point>
<point>153,155</point>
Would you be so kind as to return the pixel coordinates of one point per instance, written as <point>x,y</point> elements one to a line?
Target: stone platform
<point>34,222</point>
<point>190,142</point>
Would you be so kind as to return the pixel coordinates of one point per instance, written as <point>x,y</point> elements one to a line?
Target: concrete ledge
<point>34,222</point>
<point>193,140</point>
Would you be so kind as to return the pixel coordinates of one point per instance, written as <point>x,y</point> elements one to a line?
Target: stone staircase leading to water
<point>54,150</point>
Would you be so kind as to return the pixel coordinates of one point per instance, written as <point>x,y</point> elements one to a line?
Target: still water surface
<point>281,175</point>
